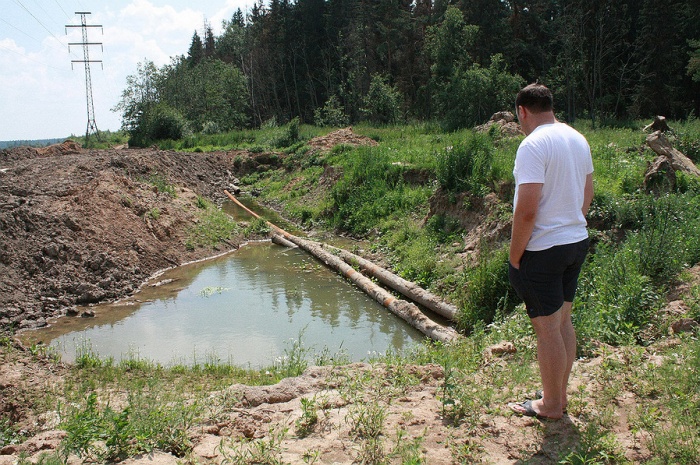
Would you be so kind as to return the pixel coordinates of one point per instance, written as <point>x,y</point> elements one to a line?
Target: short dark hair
<point>535,97</point>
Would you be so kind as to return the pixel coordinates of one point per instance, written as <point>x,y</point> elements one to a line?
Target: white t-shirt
<point>559,157</point>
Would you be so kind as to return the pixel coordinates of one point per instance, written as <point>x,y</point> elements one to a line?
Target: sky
<point>41,97</point>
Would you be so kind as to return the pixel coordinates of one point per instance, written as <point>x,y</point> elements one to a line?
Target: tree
<point>196,51</point>
<point>382,104</point>
<point>694,62</point>
<point>139,95</point>
<point>209,41</point>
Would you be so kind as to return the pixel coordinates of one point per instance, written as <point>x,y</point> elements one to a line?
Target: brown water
<point>245,308</point>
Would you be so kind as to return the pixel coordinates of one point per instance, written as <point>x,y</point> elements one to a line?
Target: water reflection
<point>243,308</point>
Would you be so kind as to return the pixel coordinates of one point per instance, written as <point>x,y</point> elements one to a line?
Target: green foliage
<point>485,289</point>
<point>254,451</point>
<point>448,44</point>
<point>444,227</point>
<point>470,96</point>
<point>157,122</point>
<point>294,361</point>
<point>162,185</point>
<point>382,104</point>
<point>309,417</point>
<point>8,433</point>
<point>86,356</point>
<point>214,226</point>
<point>146,423</point>
<point>210,127</point>
<point>414,254</point>
<point>597,446</point>
<point>212,92</point>
<point>371,189</point>
<point>331,114</point>
<point>616,299</point>
<point>467,166</point>
<point>257,227</point>
<point>621,285</point>
<point>694,62</point>
<point>287,136</point>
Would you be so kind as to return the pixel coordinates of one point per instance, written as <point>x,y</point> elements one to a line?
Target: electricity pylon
<point>91,124</point>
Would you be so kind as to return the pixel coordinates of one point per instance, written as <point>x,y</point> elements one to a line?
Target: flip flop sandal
<point>525,409</point>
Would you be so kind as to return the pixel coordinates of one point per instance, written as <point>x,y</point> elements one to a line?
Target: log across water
<point>408,311</point>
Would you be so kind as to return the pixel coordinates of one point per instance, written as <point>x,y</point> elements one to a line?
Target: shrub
<point>467,166</point>
<point>473,94</point>
<point>382,104</point>
<point>211,127</point>
<point>487,293</point>
<point>362,196</point>
<point>615,300</point>
<point>331,114</point>
<point>158,122</point>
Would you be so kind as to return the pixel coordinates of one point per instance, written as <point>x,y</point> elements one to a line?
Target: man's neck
<point>539,119</point>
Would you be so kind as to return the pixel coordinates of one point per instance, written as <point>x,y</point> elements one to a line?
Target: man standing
<point>553,191</point>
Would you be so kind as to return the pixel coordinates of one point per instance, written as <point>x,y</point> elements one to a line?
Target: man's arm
<point>524,220</point>
<point>587,194</point>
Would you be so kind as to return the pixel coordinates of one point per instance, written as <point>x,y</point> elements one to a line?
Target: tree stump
<point>661,174</point>
<point>659,124</point>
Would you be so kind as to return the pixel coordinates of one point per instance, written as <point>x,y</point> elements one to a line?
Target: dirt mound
<point>341,136</point>
<point>504,121</point>
<point>67,147</point>
<point>80,227</point>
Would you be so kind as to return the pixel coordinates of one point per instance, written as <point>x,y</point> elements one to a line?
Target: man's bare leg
<point>569,335</point>
<point>553,360</point>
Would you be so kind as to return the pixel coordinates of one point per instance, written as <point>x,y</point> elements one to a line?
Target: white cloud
<point>41,97</point>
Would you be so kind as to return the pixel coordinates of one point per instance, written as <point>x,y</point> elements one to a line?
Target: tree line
<point>335,62</point>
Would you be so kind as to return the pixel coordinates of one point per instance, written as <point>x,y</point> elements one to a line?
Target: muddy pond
<point>247,308</point>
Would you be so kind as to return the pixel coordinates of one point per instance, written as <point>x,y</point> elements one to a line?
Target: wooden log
<point>279,240</point>
<point>409,289</point>
<point>660,144</point>
<point>408,311</point>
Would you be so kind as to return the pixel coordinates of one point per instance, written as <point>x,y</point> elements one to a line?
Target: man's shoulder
<point>554,132</point>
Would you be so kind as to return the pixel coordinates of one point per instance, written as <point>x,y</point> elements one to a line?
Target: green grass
<point>214,227</point>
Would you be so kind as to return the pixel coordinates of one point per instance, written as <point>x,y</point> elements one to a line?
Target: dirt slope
<point>78,227</point>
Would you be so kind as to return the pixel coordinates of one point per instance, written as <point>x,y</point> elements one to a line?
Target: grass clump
<point>214,227</point>
<point>147,422</point>
<point>467,166</point>
<point>162,185</point>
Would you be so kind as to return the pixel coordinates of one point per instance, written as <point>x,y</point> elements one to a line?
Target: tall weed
<point>486,291</point>
<point>615,299</point>
<point>467,166</point>
<point>371,189</point>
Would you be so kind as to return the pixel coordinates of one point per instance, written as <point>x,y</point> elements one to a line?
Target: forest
<point>338,62</point>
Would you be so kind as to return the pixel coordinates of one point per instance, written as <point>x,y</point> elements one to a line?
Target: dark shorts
<point>548,278</point>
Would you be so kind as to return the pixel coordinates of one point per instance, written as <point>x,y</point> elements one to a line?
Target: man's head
<point>535,97</point>
<point>534,106</point>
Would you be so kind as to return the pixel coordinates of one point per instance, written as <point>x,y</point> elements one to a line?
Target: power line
<point>31,37</point>
<point>42,24</point>
<point>64,11</point>
<point>30,58</point>
<point>42,8</point>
